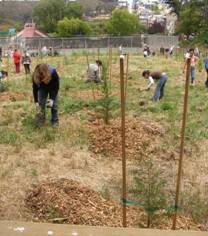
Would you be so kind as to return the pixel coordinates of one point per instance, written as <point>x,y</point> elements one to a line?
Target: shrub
<point>67,27</point>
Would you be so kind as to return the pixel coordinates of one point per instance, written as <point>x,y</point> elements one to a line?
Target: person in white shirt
<point>161,79</point>
<point>194,61</point>
<point>95,72</point>
<point>151,83</point>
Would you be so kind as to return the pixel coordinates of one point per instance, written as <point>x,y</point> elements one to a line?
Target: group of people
<point>45,80</point>
<point>25,60</point>
<point>162,78</point>
<point>163,51</point>
<point>95,75</point>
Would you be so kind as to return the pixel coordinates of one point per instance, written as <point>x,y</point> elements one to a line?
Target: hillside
<point>22,11</point>
<point>92,5</point>
<point>16,11</point>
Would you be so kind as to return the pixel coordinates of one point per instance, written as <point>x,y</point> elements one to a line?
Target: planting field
<point>72,173</point>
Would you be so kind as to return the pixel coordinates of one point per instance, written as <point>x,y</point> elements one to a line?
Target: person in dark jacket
<point>46,85</point>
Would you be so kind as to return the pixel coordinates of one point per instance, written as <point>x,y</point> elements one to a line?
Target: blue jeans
<point>159,91</point>
<point>192,74</point>
<point>42,99</point>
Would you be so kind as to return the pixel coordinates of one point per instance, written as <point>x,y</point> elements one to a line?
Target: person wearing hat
<point>161,79</point>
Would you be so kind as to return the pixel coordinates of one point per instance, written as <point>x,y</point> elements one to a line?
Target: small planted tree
<point>149,189</point>
<point>106,102</point>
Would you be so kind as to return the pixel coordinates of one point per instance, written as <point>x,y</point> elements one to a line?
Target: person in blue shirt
<point>46,86</point>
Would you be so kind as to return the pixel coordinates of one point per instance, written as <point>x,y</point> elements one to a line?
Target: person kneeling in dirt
<point>95,72</point>
<point>46,84</point>
<point>156,76</point>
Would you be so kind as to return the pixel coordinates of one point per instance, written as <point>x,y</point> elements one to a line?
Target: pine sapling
<point>149,189</point>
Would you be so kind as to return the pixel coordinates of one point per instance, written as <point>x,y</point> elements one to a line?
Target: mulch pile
<point>67,201</point>
<point>75,204</point>
<point>140,136</point>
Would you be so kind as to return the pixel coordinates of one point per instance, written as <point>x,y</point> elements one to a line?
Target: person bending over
<point>160,78</point>
<point>95,72</point>
<point>46,85</point>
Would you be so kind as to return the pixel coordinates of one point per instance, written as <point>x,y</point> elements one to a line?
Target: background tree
<point>48,13</point>
<point>190,18</point>
<point>68,27</point>
<point>123,23</point>
<point>74,10</point>
<point>98,27</point>
<point>193,18</point>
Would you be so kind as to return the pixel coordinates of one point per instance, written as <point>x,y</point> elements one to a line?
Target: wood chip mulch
<point>140,137</point>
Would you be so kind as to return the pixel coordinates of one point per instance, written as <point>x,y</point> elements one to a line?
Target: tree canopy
<point>193,18</point>
<point>123,23</point>
<point>73,10</point>
<point>68,27</point>
<point>49,12</point>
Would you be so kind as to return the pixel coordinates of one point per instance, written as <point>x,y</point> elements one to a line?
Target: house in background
<point>123,4</point>
<point>30,31</point>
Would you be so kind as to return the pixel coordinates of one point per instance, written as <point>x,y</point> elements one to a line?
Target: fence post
<point>108,41</point>
<point>131,42</point>
<point>85,43</point>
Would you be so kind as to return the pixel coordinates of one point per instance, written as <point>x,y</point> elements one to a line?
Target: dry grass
<point>31,157</point>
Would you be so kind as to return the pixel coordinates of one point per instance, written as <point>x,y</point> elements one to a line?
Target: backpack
<point>206,64</point>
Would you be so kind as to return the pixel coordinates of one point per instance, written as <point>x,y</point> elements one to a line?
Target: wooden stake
<point>88,66</point>
<point>127,74</point>
<point>123,136</point>
<point>110,64</point>
<point>183,129</point>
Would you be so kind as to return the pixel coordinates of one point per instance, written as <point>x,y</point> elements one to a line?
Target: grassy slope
<point>29,155</point>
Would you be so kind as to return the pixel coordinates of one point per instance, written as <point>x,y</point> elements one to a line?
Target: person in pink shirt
<point>194,61</point>
<point>17,60</point>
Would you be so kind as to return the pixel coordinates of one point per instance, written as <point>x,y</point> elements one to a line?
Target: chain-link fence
<point>154,41</point>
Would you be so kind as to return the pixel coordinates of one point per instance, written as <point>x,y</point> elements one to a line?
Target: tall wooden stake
<point>123,136</point>
<point>127,73</point>
<point>110,64</point>
<point>183,129</point>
